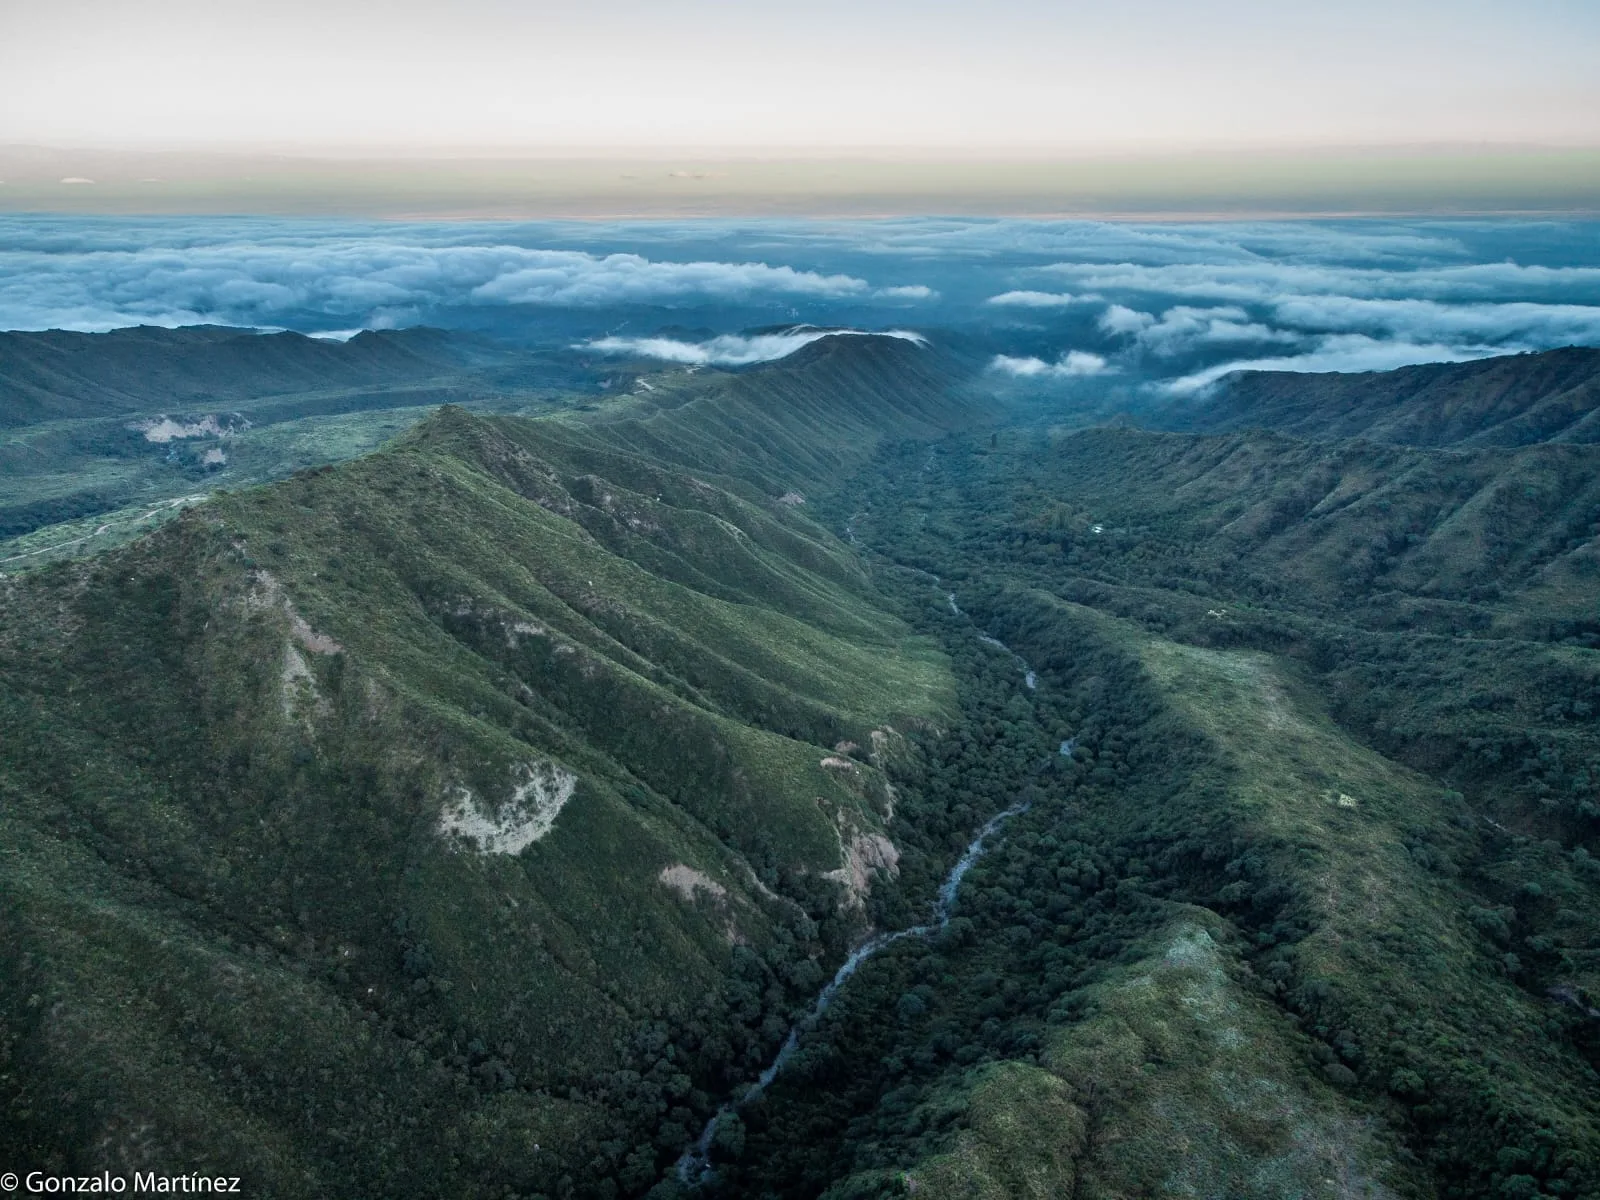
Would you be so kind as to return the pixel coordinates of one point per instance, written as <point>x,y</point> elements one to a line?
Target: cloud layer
<point>1027,299</point>
<point>269,273</point>
<point>1166,306</point>
<point>1344,352</point>
<point>732,350</point>
<point>1072,364</point>
<point>1185,306</point>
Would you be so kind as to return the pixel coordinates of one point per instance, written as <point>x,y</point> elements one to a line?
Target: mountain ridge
<point>1511,400</point>
<point>604,741</point>
<point>59,374</point>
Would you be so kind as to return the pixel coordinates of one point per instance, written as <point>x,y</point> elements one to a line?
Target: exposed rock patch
<point>863,854</point>
<point>297,683</point>
<point>164,429</point>
<point>538,793</point>
<point>309,638</point>
<point>688,883</point>
<point>524,629</point>
<point>297,686</point>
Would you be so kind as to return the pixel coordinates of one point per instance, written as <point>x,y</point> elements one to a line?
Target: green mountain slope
<point>1464,541</point>
<point>1511,401</point>
<point>106,434</point>
<point>1334,705</point>
<point>57,374</point>
<point>470,815</point>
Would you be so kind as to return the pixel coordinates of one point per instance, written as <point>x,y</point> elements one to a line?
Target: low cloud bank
<point>1329,316</point>
<point>1042,299</point>
<point>1072,364</point>
<point>270,273</point>
<point>1183,329</point>
<point>1266,281</point>
<point>1342,352</point>
<point>1415,320</point>
<point>1237,242</point>
<point>1167,305</point>
<point>1183,305</point>
<point>732,349</point>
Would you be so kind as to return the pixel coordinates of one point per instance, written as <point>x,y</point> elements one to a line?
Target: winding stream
<point>1029,679</point>
<point>695,1165</point>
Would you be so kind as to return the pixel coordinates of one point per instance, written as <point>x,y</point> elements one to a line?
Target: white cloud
<point>1402,326</point>
<point>1103,242</point>
<point>1119,319</point>
<point>1175,298</point>
<point>245,275</point>
<point>1266,280</point>
<point>1183,329</point>
<point>1547,324</point>
<point>1341,352</point>
<point>571,277</point>
<point>1074,363</point>
<point>731,349</point>
<point>1041,299</point>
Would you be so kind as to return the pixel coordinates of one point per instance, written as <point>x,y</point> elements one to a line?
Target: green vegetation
<point>257,765</point>
<point>1348,711</point>
<point>100,433</point>
<point>1516,400</point>
<point>1304,902</point>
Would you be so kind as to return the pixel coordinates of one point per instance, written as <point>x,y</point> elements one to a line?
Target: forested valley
<point>1326,708</point>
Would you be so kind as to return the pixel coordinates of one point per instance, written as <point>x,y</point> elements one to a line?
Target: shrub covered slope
<point>467,817</point>
<point>1516,400</point>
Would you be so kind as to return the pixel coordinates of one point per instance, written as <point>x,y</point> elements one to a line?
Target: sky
<point>1156,310</point>
<point>401,159</point>
<point>760,77</point>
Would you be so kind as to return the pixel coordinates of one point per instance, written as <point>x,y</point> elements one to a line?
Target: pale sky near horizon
<point>822,75</point>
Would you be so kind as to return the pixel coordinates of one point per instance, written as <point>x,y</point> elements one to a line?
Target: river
<point>695,1165</point>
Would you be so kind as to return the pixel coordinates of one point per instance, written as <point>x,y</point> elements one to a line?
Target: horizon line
<point>1020,152</point>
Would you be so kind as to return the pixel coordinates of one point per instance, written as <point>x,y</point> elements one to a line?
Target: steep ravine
<point>695,1165</point>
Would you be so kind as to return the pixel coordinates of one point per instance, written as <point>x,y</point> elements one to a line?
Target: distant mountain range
<point>1513,400</point>
<point>55,374</point>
